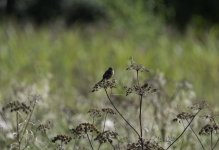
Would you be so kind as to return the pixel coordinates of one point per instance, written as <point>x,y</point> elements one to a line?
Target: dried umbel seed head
<point>136,67</point>
<point>184,116</point>
<point>44,127</point>
<point>148,145</point>
<point>143,90</point>
<point>209,129</point>
<point>175,120</point>
<point>83,129</point>
<point>63,138</point>
<point>17,106</point>
<point>199,105</point>
<point>108,111</point>
<point>209,117</point>
<point>106,136</point>
<point>95,113</point>
<point>105,84</point>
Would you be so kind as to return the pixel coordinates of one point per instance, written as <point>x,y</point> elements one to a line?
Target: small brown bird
<point>108,74</point>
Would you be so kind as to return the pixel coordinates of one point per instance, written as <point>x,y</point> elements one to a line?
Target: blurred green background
<point>70,43</point>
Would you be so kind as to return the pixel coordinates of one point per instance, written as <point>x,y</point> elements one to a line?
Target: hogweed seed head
<point>136,67</point>
<point>83,129</point>
<point>106,136</point>
<point>140,90</point>
<point>95,112</point>
<point>108,111</point>
<point>17,106</point>
<point>44,127</point>
<point>105,84</point>
<point>199,105</point>
<point>185,116</point>
<point>209,129</point>
<point>63,138</point>
<point>147,145</point>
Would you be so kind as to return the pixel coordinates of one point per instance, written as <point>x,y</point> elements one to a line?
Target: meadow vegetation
<point>47,74</point>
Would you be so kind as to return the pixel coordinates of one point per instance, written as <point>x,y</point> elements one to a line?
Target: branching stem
<point>183,131</point>
<point>196,136</point>
<point>121,114</point>
<point>89,141</point>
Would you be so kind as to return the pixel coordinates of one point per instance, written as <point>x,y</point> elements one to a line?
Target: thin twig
<point>121,114</point>
<point>140,117</point>
<point>215,144</point>
<point>99,146</point>
<point>183,138</point>
<point>196,136</point>
<point>89,141</point>
<point>61,145</point>
<point>26,125</point>
<point>104,123</point>
<point>211,141</point>
<point>18,134</point>
<point>183,131</point>
<point>140,121</point>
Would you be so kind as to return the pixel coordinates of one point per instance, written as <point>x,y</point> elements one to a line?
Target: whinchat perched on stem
<point>108,74</point>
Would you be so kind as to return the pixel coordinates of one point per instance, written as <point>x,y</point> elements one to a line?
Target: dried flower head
<point>140,90</point>
<point>199,105</point>
<point>183,116</point>
<point>63,138</point>
<point>208,129</point>
<point>210,117</point>
<point>17,106</point>
<point>44,127</point>
<point>108,111</point>
<point>148,145</point>
<point>137,67</point>
<point>106,136</point>
<point>95,112</point>
<point>104,84</point>
<point>83,129</point>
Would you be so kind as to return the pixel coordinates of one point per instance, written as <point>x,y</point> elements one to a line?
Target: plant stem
<point>183,131</point>
<point>26,125</point>
<point>140,117</point>
<point>140,121</point>
<point>75,144</point>
<point>99,146</point>
<point>211,141</point>
<point>104,123</point>
<point>89,141</point>
<point>215,144</point>
<point>61,145</point>
<point>183,138</point>
<point>196,136</point>
<point>18,134</point>
<point>121,114</point>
